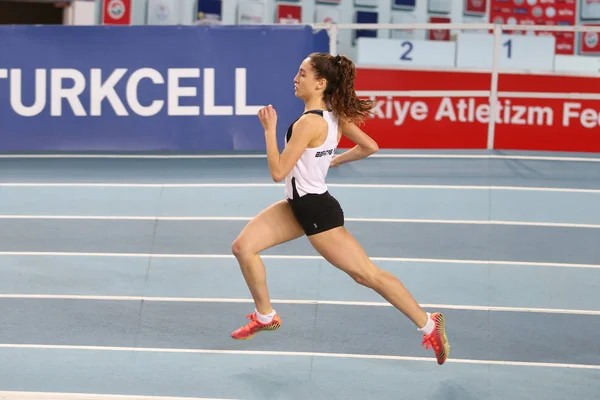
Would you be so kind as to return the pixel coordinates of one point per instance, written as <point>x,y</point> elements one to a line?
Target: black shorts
<point>317,213</point>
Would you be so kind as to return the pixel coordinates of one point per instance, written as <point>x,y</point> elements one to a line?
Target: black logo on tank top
<point>324,153</point>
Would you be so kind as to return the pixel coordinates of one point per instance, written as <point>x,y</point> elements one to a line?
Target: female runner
<point>326,85</point>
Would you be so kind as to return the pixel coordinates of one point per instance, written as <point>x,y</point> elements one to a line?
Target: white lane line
<point>11,395</point>
<point>262,185</point>
<point>292,257</point>
<point>298,354</point>
<point>254,156</point>
<point>296,302</point>
<point>491,156</point>
<point>132,156</point>
<point>217,218</point>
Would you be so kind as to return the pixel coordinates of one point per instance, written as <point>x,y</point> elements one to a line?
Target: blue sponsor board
<point>147,88</point>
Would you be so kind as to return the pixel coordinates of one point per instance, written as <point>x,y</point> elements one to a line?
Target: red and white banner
<point>116,12</point>
<point>439,34</point>
<point>475,7</point>
<point>589,41</point>
<point>548,12</point>
<point>289,14</point>
<point>543,122</point>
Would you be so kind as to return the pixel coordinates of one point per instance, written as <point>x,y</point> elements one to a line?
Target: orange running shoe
<point>254,326</point>
<point>437,339</point>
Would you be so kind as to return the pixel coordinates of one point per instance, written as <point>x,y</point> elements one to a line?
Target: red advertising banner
<point>544,124</point>
<point>439,34</point>
<point>589,41</point>
<point>547,12</point>
<point>116,12</point>
<point>475,7</point>
<point>289,14</point>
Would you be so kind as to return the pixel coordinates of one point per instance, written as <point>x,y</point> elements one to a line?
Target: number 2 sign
<point>407,47</point>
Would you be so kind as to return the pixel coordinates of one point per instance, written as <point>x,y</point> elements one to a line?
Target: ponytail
<point>340,95</point>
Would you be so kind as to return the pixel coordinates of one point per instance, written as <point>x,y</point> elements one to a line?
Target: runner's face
<point>305,81</point>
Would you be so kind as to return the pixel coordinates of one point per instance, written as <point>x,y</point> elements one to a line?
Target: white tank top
<point>310,171</point>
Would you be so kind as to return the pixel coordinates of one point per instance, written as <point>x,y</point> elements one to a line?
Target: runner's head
<point>332,79</point>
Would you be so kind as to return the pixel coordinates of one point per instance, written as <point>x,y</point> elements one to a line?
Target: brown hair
<point>339,71</point>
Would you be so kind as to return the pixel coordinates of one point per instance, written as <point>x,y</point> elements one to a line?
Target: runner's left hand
<point>334,162</point>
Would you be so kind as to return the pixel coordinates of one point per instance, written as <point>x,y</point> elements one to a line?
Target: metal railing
<point>497,29</point>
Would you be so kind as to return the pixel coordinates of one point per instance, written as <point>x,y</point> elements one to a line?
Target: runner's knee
<point>238,247</point>
<point>365,276</point>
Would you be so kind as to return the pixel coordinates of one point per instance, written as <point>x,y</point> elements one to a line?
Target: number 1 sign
<point>476,50</point>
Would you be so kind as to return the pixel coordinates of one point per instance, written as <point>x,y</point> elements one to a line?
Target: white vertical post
<point>333,30</point>
<point>494,87</point>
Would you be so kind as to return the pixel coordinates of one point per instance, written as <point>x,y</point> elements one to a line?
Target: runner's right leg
<point>274,225</point>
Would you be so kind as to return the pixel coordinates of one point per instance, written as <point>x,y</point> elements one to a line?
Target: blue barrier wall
<point>147,88</point>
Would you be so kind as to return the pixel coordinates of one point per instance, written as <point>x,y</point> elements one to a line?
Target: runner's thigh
<point>274,225</point>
